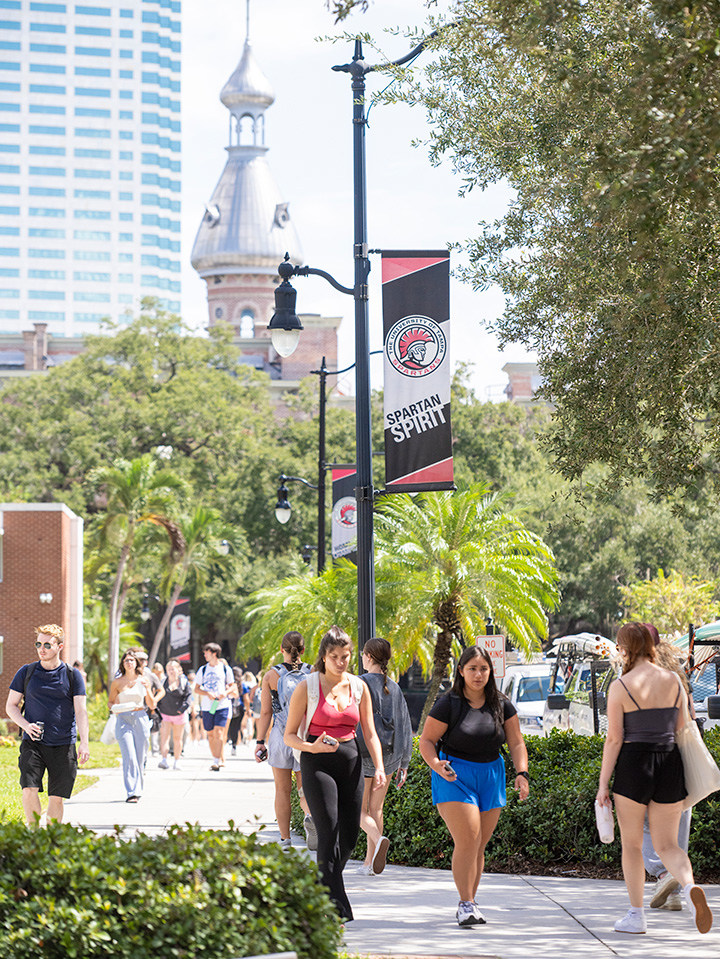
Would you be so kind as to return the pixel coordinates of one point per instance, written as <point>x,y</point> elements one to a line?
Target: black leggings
<point>333,787</point>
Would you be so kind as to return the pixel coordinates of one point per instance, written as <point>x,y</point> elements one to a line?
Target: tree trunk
<point>446,619</point>
<point>114,616</point>
<point>160,631</point>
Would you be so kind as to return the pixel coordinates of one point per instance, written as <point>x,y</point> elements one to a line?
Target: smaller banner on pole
<point>416,325</point>
<point>344,515</point>
<point>180,631</point>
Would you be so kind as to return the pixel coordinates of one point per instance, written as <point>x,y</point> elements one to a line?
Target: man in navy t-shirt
<point>53,714</point>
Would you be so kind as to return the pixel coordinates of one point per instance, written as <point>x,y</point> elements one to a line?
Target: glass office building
<point>89,161</point>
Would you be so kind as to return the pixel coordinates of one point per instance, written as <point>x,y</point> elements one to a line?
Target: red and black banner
<point>180,631</point>
<point>344,514</point>
<point>416,324</point>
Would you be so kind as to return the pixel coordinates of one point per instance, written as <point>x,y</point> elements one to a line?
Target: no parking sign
<point>495,645</point>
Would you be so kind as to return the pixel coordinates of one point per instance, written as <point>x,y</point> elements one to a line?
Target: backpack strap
<point>31,667</point>
<point>357,686</point>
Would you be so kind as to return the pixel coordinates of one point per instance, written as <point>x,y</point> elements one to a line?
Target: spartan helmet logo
<point>345,512</point>
<point>416,346</point>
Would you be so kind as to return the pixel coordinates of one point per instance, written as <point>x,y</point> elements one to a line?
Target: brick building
<point>41,581</point>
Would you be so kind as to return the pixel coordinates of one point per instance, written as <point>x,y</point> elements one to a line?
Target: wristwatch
<point>524,773</point>
<point>259,742</point>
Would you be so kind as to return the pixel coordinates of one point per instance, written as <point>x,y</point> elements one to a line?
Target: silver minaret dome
<point>246,228</point>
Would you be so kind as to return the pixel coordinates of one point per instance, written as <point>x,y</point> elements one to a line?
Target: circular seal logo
<point>416,346</point>
<point>345,512</point>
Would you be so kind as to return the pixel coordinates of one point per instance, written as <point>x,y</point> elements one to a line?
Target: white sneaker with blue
<point>467,914</point>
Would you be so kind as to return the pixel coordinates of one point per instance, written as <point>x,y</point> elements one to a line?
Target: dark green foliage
<point>553,831</point>
<point>195,894</point>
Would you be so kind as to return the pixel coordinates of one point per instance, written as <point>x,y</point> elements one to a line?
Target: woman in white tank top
<point>130,693</point>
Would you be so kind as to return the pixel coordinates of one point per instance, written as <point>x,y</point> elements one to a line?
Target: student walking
<point>461,743</point>
<point>394,728</point>
<point>278,685</point>
<point>129,696</point>
<point>53,714</point>
<point>216,684</point>
<point>174,713</point>
<point>643,710</point>
<point>332,702</point>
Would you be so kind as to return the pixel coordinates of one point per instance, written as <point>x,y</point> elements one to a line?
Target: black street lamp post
<point>285,326</point>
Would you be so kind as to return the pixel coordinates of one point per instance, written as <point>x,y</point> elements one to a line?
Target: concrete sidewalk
<point>406,911</point>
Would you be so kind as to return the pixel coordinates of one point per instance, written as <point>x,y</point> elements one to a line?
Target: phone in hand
<point>262,754</point>
<point>329,741</point>
<point>449,770</point>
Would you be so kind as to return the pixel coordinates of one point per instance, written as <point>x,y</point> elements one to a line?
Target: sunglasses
<point>40,645</point>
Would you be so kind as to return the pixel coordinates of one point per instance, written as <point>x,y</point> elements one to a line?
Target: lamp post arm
<point>312,271</point>
<point>296,479</point>
<point>363,66</point>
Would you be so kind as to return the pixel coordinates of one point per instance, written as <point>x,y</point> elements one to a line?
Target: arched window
<point>247,324</point>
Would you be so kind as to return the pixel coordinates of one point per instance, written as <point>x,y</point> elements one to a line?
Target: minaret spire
<point>247,21</point>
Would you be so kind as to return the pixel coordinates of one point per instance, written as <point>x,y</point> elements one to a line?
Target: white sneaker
<point>286,843</point>
<point>176,765</point>
<point>699,909</point>
<point>215,766</point>
<point>665,887</point>
<point>466,915</point>
<point>310,833</point>
<point>636,925</point>
<point>364,870</point>
<point>380,855</point>
<point>163,764</point>
<point>481,921</point>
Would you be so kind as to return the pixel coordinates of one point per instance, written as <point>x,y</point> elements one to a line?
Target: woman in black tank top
<point>643,710</point>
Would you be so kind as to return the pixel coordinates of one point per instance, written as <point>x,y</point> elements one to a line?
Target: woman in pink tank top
<point>330,761</point>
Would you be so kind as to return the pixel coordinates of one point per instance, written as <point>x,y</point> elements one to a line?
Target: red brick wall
<point>35,560</point>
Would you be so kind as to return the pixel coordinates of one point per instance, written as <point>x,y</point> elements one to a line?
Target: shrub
<point>66,892</point>
<point>553,831</point>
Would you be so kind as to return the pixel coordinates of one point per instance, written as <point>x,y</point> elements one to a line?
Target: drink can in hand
<point>41,727</point>
<point>605,822</point>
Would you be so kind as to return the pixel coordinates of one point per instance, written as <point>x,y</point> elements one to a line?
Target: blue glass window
<point>92,71</point>
<point>91,297</point>
<point>126,217</point>
<point>47,48</point>
<point>46,191</point>
<point>87,277</point>
<point>53,111</point>
<point>92,215</point>
<point>93,31</point>
<point>46,294</point>
<point>12,271</point>
<point>93,11</point>
<point>11,87</point>
<point>46,211</point>
<point>9,210</point>
<point>47,170</point>
<point>9,168</point>
<point>4,188</point>
<point>126,155</point>
<point>90,51</point>
<point>91,92</point>
<point>46,88</point>
<point>46,315</point>
<point>49,7</point>
<point>49,151</point>
<point>10,107</point>
<point>93,174</point>
<point>9,231</point>
<point>93,235</point>
<point>92,112</point>
<point>47,254</point>
<point>47,28</point>
<point>92,254</point>
<point>9,148</point>
<point>89,132</point>
<point>95,154</point>
<point>125,277</point>
<point>10,65</point>
<point>50,131</point>
<point>55,234</point>
<point>10,45</point>
<point>92,194</point>
<point>46,68</point>
<point>125,237</point>
<point>46,274</point>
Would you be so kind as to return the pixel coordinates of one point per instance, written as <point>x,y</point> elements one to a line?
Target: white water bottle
<point>605,822</point>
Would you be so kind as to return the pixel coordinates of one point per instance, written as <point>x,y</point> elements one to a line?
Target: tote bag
<point>702,775</point>
<point>107,736</point>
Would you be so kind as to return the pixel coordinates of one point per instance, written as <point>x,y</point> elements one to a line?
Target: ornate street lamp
<point>285,329</point>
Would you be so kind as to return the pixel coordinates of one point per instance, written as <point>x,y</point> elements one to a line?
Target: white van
<point>527,686</point>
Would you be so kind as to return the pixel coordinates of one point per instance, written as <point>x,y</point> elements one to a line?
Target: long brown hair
<point>293,643</point>
<point>333,638</point>
<point>379,651</point>
<point>138,667</point>
<point>493,697</point>
<point>637,640</point>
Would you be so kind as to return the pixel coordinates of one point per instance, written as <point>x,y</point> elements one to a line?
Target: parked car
<point>704,683</point>
<point>584,663</point>
<point>526,686</point>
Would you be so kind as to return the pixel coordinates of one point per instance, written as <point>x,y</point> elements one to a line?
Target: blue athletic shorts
<point>213,720</point>
<point>482,784</point>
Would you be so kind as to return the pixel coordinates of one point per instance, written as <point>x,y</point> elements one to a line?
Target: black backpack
<point>29,674</point>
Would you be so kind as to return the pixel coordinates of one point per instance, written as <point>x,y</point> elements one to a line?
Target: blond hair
<point>52,629</point>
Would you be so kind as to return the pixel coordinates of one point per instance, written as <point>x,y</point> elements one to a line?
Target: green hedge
<point>552,832</point>
<point>66,892</point>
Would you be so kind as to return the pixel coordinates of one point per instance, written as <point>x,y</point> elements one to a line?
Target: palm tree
<point>201,536</point>
<point>95,643</point>
<point>444,561</point>
<point>136,492</point>
<point>452,559</point>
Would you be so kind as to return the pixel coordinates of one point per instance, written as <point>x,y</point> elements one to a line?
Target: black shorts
<point>60,762</point>
<point>650,772</point>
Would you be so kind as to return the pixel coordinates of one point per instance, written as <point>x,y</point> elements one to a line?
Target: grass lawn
<point>101,757</point>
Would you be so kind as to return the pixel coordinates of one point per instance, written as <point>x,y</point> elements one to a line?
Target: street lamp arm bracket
<point>297,479</point>
<point>311,271</point>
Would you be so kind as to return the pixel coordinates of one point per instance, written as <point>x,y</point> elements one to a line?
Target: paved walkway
<point>407,912</point>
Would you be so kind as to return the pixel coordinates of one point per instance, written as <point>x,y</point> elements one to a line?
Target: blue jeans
<point>132,731</point>
<point>653,863</point>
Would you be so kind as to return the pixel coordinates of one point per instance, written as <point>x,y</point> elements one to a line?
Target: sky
<point>411,205</point>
